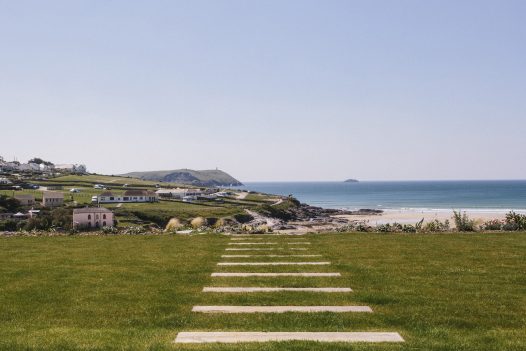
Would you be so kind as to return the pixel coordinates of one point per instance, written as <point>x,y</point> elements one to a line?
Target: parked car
<point>74,190</point>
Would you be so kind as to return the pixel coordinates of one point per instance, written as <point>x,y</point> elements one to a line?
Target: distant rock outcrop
<point>351,181</point>
<point>188,176</point>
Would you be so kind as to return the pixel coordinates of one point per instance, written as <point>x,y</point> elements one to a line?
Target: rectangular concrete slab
<point>273,263</point>
<point>276,275</point>
<point>280,309</point>
<point>264,249</point>
<point>241,239</point>
<point>263,289</point>
<point>262,243</point>
<point>245,256</point>
<point>237,337</point>
<point>300,243</point>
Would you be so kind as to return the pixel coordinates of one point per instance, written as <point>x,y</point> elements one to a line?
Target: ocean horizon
<point>415,195</point>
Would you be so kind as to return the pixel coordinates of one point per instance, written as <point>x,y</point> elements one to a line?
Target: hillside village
<point>39,195</point>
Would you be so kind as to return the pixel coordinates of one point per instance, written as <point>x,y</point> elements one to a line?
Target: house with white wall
<point>128,196</point>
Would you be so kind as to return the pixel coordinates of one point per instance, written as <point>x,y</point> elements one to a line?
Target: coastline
<point>412,216</point>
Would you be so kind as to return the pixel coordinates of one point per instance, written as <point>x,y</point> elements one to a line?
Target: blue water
<point>421,195</point>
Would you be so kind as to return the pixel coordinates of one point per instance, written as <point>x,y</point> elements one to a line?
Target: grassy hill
<point>188,176</point>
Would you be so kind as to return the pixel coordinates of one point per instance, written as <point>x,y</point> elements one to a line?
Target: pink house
<point>92,217</point>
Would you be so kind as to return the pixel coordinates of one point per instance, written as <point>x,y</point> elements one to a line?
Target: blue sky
<point>268,90</point>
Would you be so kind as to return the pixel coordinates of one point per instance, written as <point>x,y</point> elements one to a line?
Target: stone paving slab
<point>241,239</point>
<point>275,275</point>
<point>237,337</point>
<point>264,289</point>
<point>265,249</point>
<point>265,243</point>
<point>280,309</point>
<point>245,256</point>
<point>273,263</point>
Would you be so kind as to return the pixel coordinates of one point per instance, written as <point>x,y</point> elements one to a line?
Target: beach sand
<point>414,216</point>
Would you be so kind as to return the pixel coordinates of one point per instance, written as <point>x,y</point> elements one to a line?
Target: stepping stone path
<point>276,275</point>
<point>256,336</point>
<point>273,263</point>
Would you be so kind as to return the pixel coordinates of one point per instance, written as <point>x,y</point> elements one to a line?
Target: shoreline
<point>412,216</point>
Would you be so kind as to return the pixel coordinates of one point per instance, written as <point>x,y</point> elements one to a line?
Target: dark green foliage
<point>515,221</point>
<point>159,218</point>
<point>243,217</point>
<point>211,221</point>
<point>40,161</point>
<point>493,224</point>
<point>9,204</point>
<point>463,222</point>
<point>8,226</point>
<point>437,226</point>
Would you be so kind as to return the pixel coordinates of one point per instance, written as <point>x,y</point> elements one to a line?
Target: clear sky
<point>268,90</point>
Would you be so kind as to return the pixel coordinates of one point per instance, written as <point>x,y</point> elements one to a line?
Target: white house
<point>70,167</point>
<point>92,217</point>
<point>128,196</point>
<point>179,193</point>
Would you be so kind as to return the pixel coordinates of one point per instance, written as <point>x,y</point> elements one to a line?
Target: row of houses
<point>40,167</point>
<point>49,199</point>
<point>88,217</point>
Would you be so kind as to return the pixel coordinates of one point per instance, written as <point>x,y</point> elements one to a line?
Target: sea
<point>467,195</point>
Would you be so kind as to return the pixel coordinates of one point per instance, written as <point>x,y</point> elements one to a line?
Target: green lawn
<point>440,292</point>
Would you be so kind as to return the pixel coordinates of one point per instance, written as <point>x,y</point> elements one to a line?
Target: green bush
<point>493,224</point>
<point>8,226</point>
<point>243,218</point>
<point>9,204</point>
<point>463,222</point>
<point>515,221</point>
<point>437,226</point>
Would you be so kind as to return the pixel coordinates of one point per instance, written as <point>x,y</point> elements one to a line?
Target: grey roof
<point>138,192</point>
<point>91,210</point>
<point>107,193</point>
<point>24,196</point>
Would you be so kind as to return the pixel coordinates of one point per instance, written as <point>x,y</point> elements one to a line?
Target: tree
<point>40,161</point>
<point>9,203</point>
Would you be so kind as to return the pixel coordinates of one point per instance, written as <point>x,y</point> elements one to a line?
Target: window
<point>104,223</point>
<point>111,198</point>
<point>89,217</point>
<point>103,216</point>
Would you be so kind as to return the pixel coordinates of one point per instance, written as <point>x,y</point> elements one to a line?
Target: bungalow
<point>52,199</point>
<point>128,196</point>
<point>25,199</point>
<point>92,217</point>
<point>179,193</point>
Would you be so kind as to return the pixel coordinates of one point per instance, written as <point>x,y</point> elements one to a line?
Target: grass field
<point>440,292</point>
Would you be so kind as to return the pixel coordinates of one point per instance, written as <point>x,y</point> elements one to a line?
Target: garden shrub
<point>515,221</point>
<point>463,222</point>
<point>437,226</point>
<point>243,218</point>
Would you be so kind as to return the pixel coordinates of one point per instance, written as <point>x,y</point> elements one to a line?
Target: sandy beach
<point>414,216</point>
